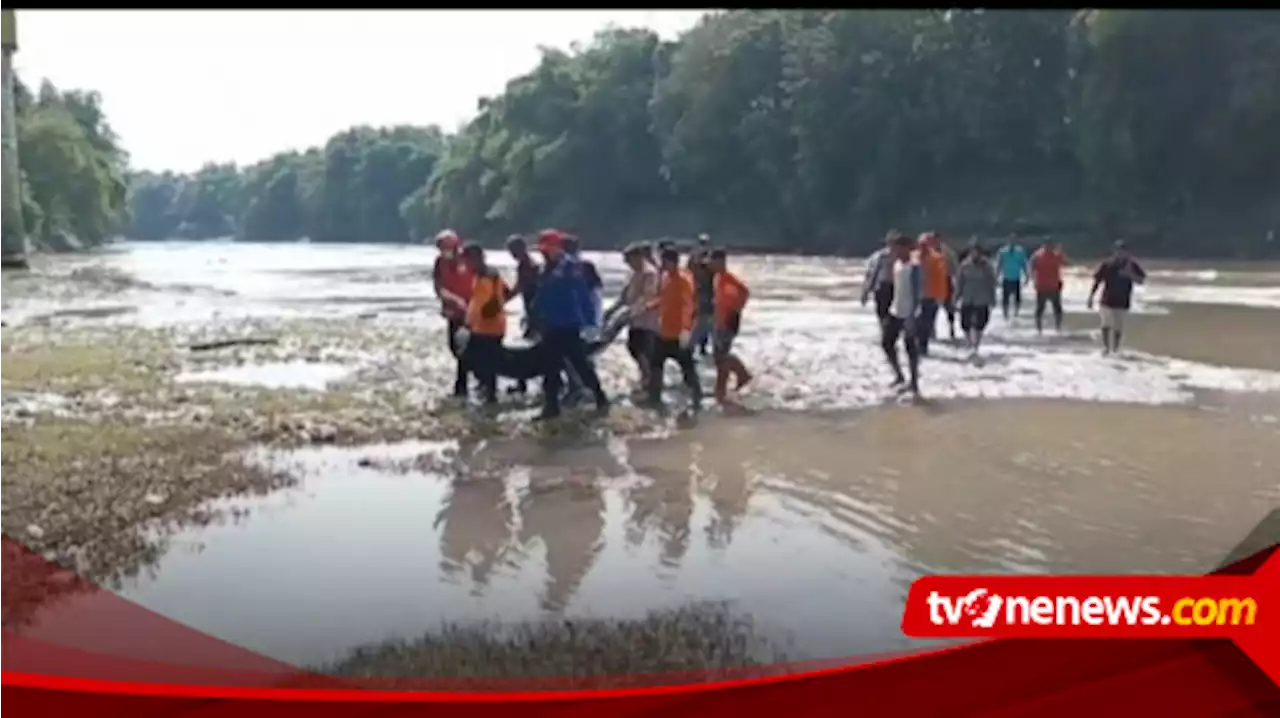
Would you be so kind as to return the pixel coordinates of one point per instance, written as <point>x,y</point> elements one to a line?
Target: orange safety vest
<point>488,287</point>
<point>675,305</point>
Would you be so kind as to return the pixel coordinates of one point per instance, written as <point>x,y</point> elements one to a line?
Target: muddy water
<point>813,526</point>
<point>812,514</point>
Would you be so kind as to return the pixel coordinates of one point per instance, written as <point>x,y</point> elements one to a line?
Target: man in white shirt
<point>878,280</point>
<point>903,309</point>
<point>637,299</point>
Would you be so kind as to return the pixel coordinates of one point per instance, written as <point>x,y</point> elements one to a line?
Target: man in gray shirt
<point>878,280</point>
<point>976,291</point>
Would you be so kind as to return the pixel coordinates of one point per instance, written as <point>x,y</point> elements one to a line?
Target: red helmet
<point>448,239</point>
<point>551,238</point>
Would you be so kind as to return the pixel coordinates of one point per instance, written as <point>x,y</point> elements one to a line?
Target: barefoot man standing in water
<point>1011,261</point>
<point>1046,270</point>
<point>1116,276</point>
<point>903,314</point>
<point>976,290</point>
<point>730,299</point>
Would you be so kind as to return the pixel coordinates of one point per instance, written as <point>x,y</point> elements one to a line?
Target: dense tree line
<point>74,184</point>
<point>814,130</point>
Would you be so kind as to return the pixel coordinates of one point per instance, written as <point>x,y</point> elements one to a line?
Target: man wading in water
<point>563,309</point>
<point>878,280</point>
<point>486,320</point>
<point>1012,263</point>
<point>675,305</point>
<point>527,288</point>
<point>639,297</point>
<point>453,281</point>
<point>1046,272</point>
<point>573,247</point>
<point>903,314</point>
<point>730,299</point>
<point>976,291</point>
<point>1116,276</point>
<point>937,287</point>
<point>704,287</point>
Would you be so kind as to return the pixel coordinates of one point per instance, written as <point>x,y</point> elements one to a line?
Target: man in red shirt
<point>1046,272</point>
<point>453,281</point>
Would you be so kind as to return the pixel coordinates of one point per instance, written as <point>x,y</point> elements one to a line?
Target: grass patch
<point>563,653</point>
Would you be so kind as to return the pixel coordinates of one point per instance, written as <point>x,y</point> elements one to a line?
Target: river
<point>810,514</point>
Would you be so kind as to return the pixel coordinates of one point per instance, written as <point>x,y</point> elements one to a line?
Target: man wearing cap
<point>563,309</point>
<point>1116,276</point>
<point>453,281</point>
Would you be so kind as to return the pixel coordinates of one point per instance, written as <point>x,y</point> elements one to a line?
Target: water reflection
<point>475,528</point>
<point>767,514</point>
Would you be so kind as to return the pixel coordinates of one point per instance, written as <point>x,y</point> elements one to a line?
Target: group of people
<point>912,278</point>
<point>669,311</point>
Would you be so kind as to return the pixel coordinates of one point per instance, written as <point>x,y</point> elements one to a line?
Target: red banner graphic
<point>166,668</point>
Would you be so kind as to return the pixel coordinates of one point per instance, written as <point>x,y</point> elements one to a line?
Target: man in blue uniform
<point>564,308</point>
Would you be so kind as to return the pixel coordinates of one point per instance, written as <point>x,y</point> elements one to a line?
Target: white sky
<point>185,87</point>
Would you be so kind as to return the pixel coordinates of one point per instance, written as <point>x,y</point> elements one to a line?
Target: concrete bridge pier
<point>13,235</point>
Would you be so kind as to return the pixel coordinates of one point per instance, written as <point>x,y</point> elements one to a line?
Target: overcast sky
<point>185,87</point>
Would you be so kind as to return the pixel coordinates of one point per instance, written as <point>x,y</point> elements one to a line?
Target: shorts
<point>1113,318</point>
<point>974,317</point>
<point>722,342</point>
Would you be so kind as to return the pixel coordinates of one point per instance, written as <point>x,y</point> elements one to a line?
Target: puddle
<point>279,375</point>
<point>813,527</point>
<point>23,405</point>
<point>358,554</point>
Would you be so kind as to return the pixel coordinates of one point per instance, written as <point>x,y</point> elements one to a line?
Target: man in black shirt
<point>595,283</point>
<point>527,287</point>
<point>704,292</point>
<point>1116,276</point>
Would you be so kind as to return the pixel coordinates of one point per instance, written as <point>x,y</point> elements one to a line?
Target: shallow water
<point>814,527</point>
<point>811,343</point>
<point>276,375</point>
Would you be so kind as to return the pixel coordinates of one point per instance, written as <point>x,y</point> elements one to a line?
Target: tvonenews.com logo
<point>1081,606</point>
<point>981,608</point>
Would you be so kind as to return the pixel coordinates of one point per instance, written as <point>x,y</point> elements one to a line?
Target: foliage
<point>72,165</point>
<point>813,130</point>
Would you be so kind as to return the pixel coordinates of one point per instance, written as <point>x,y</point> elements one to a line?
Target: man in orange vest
<point>937,287</point>
<point>453,282</point>
<point>486,319</point>
<point>730,299</point>
<point>675,304</point>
